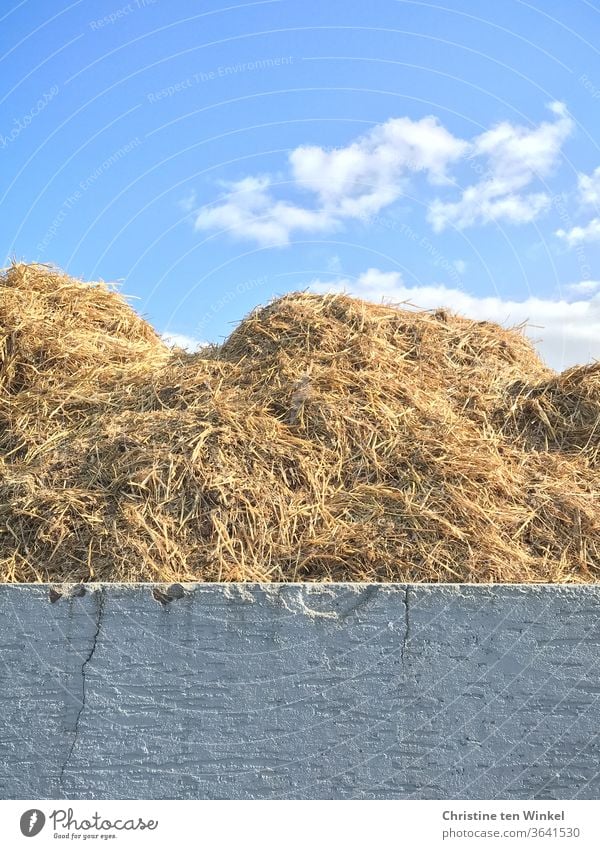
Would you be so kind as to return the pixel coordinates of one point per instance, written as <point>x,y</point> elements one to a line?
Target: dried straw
<point>327,439</point>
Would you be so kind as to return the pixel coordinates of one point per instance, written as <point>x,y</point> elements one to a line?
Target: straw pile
<point>326,439</point>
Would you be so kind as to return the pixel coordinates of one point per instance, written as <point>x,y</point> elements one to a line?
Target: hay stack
<point>327,439</point>
<point>65,347</point>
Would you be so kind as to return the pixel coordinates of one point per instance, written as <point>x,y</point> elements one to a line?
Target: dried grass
<point>327,439</point>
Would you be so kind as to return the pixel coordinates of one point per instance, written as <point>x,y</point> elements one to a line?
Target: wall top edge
<point>312,585</point>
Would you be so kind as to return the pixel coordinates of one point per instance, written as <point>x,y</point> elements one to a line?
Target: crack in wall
<point>406,623</point>
<point>86,660</point>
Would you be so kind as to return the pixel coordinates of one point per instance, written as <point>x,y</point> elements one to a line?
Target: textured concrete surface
<point>300,691</point>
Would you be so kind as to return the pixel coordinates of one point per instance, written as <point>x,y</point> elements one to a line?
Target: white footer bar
<point>301,824</point>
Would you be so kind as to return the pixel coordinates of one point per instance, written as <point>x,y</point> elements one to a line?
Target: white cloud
<point>589,187</point>
<point>585,287</point>
<point>589,232</point>
<point>367,175</point>
<point>344,183</point>
<point>179,340</point>
<point>517,152</point>
<point>189,202</point>
<point>357,181</point>
<point>248,210</point>
<point>565,333</point>
<point>515,156</point>
<point>589,195</point>
<point>480,204</point>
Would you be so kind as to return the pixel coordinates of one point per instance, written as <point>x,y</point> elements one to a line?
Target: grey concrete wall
<point>300,691</point>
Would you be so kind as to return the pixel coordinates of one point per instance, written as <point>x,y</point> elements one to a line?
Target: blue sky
<point>212,156</point>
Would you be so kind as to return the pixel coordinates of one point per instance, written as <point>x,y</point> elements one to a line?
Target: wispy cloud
<point>249,211</point>
<point>589,187</point>
<point>180,340</point>
<point>588,192</point>
<point>328,187</point>
<point>585,287</point>
<point>589,232</point>
<point>514,157</point>
<point>344,183</point>
<point>362,178</point>
<point>565,333</point>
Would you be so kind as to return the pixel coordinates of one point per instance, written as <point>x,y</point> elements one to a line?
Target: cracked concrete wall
<point>300,691</point>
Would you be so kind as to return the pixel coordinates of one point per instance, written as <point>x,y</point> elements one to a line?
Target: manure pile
<point>327,439</point>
